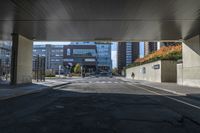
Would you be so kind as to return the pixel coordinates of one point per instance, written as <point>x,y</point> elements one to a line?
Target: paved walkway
<point>8,91</point>
<point>169,87</point>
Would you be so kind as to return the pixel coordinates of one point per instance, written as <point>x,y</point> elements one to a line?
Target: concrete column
<point>158,45</point>
<point>191,62</point>
<point>21,62</point>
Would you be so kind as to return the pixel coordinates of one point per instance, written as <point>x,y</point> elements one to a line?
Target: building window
<point>68,60</point>
<point>68,52</point>
<point>88,52</point>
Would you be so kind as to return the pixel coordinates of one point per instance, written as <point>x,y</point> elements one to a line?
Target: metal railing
<point>39,68</point>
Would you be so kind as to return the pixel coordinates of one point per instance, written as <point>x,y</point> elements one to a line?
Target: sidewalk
<point>8,91</point>
<point>169,87</point>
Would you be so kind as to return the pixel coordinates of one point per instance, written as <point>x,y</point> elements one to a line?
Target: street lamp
<point>59,70</point>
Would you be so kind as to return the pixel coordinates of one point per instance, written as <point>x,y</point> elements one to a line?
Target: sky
<point>113,52</point>
<point>141,49</point>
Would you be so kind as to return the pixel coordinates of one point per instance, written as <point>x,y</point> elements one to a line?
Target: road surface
<point>100,105</point>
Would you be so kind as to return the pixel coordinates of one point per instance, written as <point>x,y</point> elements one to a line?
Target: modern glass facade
<point>85,55</point>
<point>5,59</point>
<point>104,61</point>
<point>129,53</point>
<point>84,52</point>
<point>53,54</point>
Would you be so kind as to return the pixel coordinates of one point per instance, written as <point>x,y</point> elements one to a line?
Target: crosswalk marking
<point>100,82</point>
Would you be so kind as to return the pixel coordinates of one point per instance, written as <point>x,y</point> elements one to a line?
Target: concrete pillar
<point>21,62</point>
<point>191,62</point>
<point>158,45</point>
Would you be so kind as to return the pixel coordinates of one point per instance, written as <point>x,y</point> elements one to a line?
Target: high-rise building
<point>104,61</point>
<point>150,47</point>
<point>161,44</point>
<point>127,53</point>
<point>121,55</point>
<point>52,53</point>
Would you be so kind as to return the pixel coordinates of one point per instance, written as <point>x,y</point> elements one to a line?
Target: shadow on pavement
<point>60,111</point>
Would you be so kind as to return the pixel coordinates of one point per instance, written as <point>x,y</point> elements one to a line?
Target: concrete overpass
<point>90,20</point>
<point>67,20</point>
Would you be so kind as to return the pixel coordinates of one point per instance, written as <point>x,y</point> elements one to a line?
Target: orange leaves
<point>170,52</point>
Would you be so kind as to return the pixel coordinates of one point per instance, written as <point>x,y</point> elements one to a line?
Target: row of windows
<point>39,46</point>
<point>39,55</point>
<point>90,52</point>
<point>56,60</point>
<point>129,56</point>
<point>60,50</point>
<point>79,60</point>
<point>44,50</point>
<point>103,55</point>
<point>57,46</point>
<point>103,46</point>
<point>42,54</point>
<point>57,55</point>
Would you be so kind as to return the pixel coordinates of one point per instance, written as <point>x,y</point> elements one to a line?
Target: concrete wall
<point>180,74</point>
<point>166,72</point>
<point>24,60</point>
<point>191,62</point>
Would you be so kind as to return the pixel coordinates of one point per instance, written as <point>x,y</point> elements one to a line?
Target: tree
<point>77,68</point>
<point>115,71</point>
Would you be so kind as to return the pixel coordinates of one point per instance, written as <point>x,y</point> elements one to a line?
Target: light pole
<point>59,70</point>
<point>81,71</point>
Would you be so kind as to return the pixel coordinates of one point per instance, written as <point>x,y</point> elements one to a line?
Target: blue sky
<point>141,49</point>
<point>114,54</point>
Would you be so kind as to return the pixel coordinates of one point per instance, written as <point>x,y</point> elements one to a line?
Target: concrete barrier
<point>180,73</point>
<point>158,71</point>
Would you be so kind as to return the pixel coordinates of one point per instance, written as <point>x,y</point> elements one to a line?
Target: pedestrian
<point>133,75</point>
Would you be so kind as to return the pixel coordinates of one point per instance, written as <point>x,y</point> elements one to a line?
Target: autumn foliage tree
<point>77,68</point>
<point>164,53</point>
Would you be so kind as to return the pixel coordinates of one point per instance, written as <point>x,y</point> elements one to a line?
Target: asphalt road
<point>100,105</point>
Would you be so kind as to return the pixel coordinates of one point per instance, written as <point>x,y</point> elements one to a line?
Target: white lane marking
<point>177,100</point>
<point>170,91</point>
<point>101,82</point>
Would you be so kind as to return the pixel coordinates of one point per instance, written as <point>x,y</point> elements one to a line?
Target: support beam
<point>21,62</point>
<point>189,71</point>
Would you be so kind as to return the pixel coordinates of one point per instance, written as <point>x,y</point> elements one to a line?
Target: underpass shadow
<point>89,112</point>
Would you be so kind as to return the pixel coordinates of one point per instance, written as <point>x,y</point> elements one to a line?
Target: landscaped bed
<point>164,53</point>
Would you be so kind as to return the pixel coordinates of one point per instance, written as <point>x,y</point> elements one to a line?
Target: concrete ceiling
<point>88,20</point>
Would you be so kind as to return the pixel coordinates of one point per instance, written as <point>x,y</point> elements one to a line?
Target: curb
<point>33,92</point>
